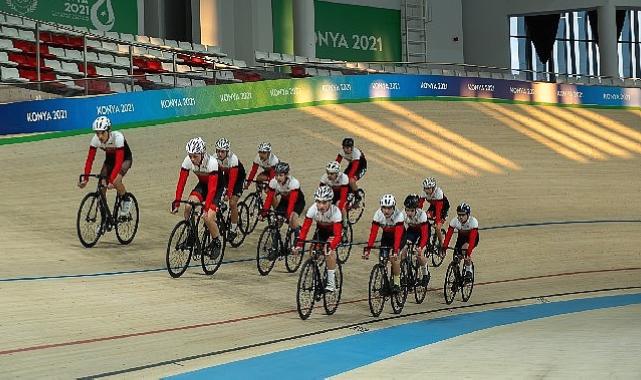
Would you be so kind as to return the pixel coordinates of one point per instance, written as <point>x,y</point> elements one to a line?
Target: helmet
<point>348,141</point>
<point>324,193</point>
<point>388,200</point>
<point>195,146</point>
<point>411,201</point>
<point>333,167</point>
<point>429,182</point>
<point>102,123</point>
<point>264,147</point>
<point>464,208</point>
<point>222,144</point>
<point>282,167</point>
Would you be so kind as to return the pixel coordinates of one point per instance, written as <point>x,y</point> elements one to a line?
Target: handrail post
<point>38,74</point>
<point>131,67</point>
<point>84,62</point>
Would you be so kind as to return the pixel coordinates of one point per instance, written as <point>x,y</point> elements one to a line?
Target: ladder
<point>414,17</point>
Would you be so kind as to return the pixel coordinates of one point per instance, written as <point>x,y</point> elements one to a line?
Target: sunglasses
<point>461,215</point>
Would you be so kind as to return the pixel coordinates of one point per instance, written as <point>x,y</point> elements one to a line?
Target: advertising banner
<point>160,105</point>
<point>105,15</point>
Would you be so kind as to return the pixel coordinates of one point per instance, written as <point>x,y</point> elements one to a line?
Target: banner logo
<point>23,6</point>
<point>103,19</point>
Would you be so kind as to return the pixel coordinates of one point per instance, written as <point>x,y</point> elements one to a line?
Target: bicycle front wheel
<point>468,286</point>
<point>306,289</point>
<point>345,248</point>
<point>398,299</point>
<point>127,225</point>
<point>211,257</point>
<point>332,299</point>
<point>182,244</point>
<point>450,287</point>
<point>435,250</point>
<point>267,251</point>
<point>377,290</point>
<point>292,262</point>
<point>90,221</point>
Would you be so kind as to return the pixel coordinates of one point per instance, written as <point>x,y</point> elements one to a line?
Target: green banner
<point>106,15</point>
<point>357,33</point>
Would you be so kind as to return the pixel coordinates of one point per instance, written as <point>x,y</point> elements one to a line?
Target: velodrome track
<point>557,192</point>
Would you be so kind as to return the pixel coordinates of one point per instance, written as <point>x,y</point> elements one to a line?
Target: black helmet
<point>348,142</point>
<point>282,167</point>
<point>411,201</point>
<point>464,208</point>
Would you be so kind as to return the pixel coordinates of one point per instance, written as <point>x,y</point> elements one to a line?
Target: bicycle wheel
<point>332,299</point>
<point>127,225</point>
<point>306,289</point>
<point>254,206</point>
<point>182,244</point>
<point>420,290</point>
<point>450,287</point>
<point>90,221</point>
<point>435,250</point>
<point>266,251</point>
<point>292,262</point>
<point>243,218</point>
<point>398,300</point>
<point>468,286</point>
<point>210,258</point>
<point>377,290</point>
<point>345,248</point>
<point>355,214</point>
<point>240,235</point>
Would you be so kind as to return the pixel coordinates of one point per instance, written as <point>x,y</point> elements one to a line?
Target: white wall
<point>445,26</point>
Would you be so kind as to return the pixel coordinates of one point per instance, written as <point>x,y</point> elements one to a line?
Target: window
<point>629,46</point>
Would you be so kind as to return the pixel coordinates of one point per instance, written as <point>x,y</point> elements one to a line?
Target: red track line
<point>241,319</point>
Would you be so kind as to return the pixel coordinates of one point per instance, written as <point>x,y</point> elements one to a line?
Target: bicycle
<point>94,217</point>
<point>271,246</point>
<point>355,207</point>
<point>184,243</point>
<point>224,223</point>
<point>253,203</point>
<point>380,286</point>
<point>413,280</point>
<point>311,285</point>
<point>345,248</point>
<point>455,279</point>
<point>434,245</point>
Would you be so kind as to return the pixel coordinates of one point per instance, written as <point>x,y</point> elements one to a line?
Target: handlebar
<point>99,176</point>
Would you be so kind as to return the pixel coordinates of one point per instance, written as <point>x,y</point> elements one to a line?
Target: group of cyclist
<point>223,177</point>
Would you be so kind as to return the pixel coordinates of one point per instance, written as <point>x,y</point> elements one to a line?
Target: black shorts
<point>240,181</point>
<point>108,166</point>
<point>387,241</point>
<point>460,240</point>
<point>361,169</point>
<point>413,235</point>
<point>299,206</point>
<point>322,234</point>
<point>201,190</point>
<point>444,210</point>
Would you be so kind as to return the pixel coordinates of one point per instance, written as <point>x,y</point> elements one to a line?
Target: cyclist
<point>439,205</point>
<point>266,160</point>
<point>233,177</point>
<point>357,165</point>
<point>339,183</point>
<point>392,222</point>
<point>417,232</point>
<point>208,189</point>
<point>467,228</point>
<point>285,196</point>
<point>118,159</point>
<point>328,229</point>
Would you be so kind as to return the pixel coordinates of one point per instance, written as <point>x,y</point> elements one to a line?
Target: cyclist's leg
<point>233,208</point>
<point>105,171</point>
<point>210,222</point>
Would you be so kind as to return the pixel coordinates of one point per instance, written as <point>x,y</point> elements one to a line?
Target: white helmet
<point>388,200</point>
<point>222,144</point>
<point>265,147</point>
<point>324,193</point>
<point>102,123</point>
<point>195,146</point>
<point>333,167</point>
<point>429,182</point>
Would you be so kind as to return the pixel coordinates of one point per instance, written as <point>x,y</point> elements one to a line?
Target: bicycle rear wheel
<point>450,287</point>
<point>468,286</point>
<point>435,250</point>
<point>90,220</point>
<point>292,262</point>
<point>345,248</point>
<point>332,299</point>
<point>377,290</point>
<point>127,225</point>
<point>266,251</point>
<point>253,206</point>
<point>355,214</point>
<point>306,289</point>
<point>181,245</point>
<point>243,219</point>
<point>210,257</point>
<point>398,299</point>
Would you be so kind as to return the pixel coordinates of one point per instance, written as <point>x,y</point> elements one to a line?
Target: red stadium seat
<point>91,69</point>
<point>30,47</point>
<point>27,61</point>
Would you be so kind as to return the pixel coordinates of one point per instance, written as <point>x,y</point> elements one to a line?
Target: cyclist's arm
<point>233,175</point>
<point>421,202</point>
<point>425,235</point>
<point>268,199</point>
<point>303,232</point>
<point>339,158</point>
<point>252,172</point>
<point>120,157</point>
<point>354,168</point>
<point>91,155</point>
<point>437,213</point>
<point>180,186</point>
<point>342,200</point>
<point>398,234</point>
<point>372,234</point>
<point>448,236</point>
<point>472,241</point>
<point>212,183</point>
<point>293,196</point>
<point>338,236</point>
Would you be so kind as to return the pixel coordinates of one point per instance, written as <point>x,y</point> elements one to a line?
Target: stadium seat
<point>118,87</point>
<point>8,32</point>
<point>11,74</point>
<point>198,82</point>
<point>185,45</point>
<point>70,68</point>
<point>13,20</point>
<point>26,35</point>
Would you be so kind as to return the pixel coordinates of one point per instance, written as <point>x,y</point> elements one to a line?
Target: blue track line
<point>325,359</point>
<point>138,271</point>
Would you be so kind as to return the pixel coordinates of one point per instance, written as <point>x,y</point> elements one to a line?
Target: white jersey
<point>231,161</point>
<point>420,217</point>
<point>471,224</point>
<point>208,165</point>
<point>327,218</point>
<point>290,184</point>
<point>396,218</point>
<point>116,140</point>
<point>270,162</point>
<point>437,195</point>
<point>341,180</point>
<point>355,155</point>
